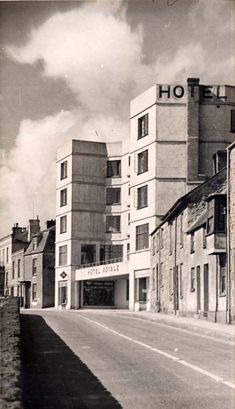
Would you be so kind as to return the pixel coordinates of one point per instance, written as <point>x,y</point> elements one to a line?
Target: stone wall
<point>10,365</point>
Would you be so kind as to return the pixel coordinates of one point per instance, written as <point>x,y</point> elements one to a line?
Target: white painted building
<point>110,197</point>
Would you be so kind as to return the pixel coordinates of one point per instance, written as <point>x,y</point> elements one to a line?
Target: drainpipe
<point>174,268</point>
<point>228,280</point>
<point>216,288</point>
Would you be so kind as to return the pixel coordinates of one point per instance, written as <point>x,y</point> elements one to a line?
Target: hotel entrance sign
<point>101,271</point>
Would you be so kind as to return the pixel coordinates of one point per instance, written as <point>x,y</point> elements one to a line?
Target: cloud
<point>100,56</point>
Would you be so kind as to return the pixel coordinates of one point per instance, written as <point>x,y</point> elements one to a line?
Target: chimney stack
<point>34,228</point>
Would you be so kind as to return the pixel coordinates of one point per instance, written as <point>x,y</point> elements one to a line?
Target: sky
<point>68,70</point>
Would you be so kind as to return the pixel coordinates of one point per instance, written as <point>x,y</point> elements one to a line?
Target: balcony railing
<point>100,263</point>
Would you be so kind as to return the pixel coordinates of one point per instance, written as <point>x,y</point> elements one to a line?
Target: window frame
<point>63,224</point>
<point>34,292</point>
<point>34,266</point>
<point>193,279</point>
<point>63,255</point>
<point>142,197</point>
<point>111,171</point>
<point>142,167</point>
<point>113,196</point>
<point>64,170</point>
<point>143,126</point>
<point>110,227</point>
<point>142,238</point>
<point>63,197</point>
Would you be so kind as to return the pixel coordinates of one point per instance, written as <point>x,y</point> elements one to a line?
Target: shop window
<point>113,168</point>
<point>34,292</point>
<point>222,273</point>
<point>193,279</point>
<point>13,269</point>
<point>113,195</point>
<point>143,289</point>
<point>192,242</point>
<point>113,224</point>
<point>63,197</point>
<point>63,170</point>
<point>62,292</point>
<point>143,162</point>
<point>63,224</point>
<point>142,236</point>
<point>143,126</point>
<point>34,266</point>
<point>18,268</point>
<point>62,255</point>
<point>233,120</point>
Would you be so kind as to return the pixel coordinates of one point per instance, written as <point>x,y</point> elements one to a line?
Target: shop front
<point>142,296</point>
<point>103,286</point>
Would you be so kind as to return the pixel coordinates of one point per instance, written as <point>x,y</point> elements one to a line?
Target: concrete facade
<point>174,132</point>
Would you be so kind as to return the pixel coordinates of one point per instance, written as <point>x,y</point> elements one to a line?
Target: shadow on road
<point>53,376</point>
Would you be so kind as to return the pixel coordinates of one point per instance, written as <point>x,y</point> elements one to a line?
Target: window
<point>18,268</point>
<point>113,168</point>
<point>63,170</point>
<point>63,224</point>
<point>128,251</point>
<point>161,244</point>
<point>113,224</point>
<point>233,120</point>
<point>181,281</point>
<point>154,245</point>
<point>193,279</point>
<point>154,279</point>
<point>142,162</point>
<point>143,126</point>
<point>34,292</point>
<point>62,255</point>
<point>34,266</point>
<point>3,256</point>
<point>129,160</point>
<point>170,238</point>
<point>127,290</point>
<point>142,236</point>
<point>13,269</point>
<point>7,255</point>
<point>181,231</point>
<point>111,252</point>
<point>63,197</point>
<point>192,243</point>
<point>216,215</point>
<point>142,197</point>
<point>204,237</point>
<point>222,274</point>
<point>113,195</point>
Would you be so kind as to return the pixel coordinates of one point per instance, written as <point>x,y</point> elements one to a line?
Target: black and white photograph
<point>117,204</point>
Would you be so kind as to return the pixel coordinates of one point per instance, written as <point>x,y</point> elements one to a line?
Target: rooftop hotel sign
<point>101,271</point>
<point>208,93</point>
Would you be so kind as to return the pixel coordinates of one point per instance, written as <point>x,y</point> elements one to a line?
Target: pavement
<point>212,329</point>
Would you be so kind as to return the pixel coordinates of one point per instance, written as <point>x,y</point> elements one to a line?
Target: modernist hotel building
<point>111,196</point>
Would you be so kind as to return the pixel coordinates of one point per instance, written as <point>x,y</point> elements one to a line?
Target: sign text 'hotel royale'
<point>100,271</point>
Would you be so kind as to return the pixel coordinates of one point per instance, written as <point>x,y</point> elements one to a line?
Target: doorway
<point>198,289</point>
<point>206,289</point>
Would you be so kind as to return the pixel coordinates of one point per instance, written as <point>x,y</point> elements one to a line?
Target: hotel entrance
<point>98,293</point>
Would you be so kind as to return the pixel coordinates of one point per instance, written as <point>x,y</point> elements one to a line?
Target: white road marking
<point>165,354</point>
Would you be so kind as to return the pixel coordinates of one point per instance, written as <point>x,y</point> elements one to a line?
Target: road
<point>108,360</point>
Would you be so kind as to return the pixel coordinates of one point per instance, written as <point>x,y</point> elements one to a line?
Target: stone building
<point>16,242</point>
<point>231,231</point>
<point>189,254</point>
<point>110,196</point>
<point>38,281</point>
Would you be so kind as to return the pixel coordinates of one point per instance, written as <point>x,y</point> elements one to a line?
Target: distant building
<point>38,281</point>
<point>231,231</point>
<point>111,196</point>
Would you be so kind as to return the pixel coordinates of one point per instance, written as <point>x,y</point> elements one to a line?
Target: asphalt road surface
<point>108,360</point>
